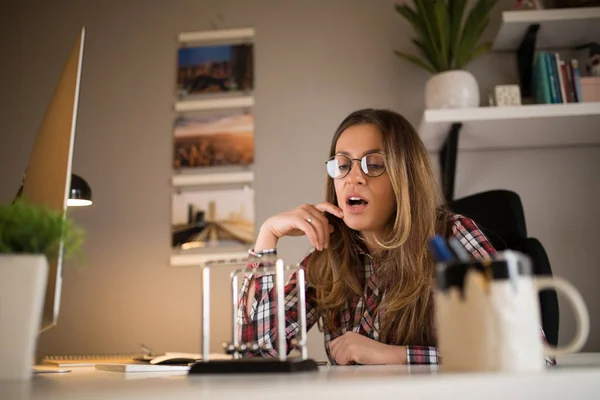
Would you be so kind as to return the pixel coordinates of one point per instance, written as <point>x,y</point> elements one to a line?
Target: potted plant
<point>31,238</point>
<point>448,40</point>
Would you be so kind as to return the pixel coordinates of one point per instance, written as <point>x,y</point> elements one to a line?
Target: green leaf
<point>457,10</point>
<point>475,24</point>
<point>34,229</point>
<point>479,50</point>
<point>413,18</point>
<point>425,10</point>
<point>415,60</point>
<point>418,25</point>
<point>425,51</point>
<point>445,38</point>
<point>443,31</point>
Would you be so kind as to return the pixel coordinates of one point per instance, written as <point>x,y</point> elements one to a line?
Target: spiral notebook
<point>89,360</point>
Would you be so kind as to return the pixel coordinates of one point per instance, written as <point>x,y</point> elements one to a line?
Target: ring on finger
<point>309,220</point>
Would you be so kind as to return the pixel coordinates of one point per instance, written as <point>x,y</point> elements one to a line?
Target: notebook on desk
<point>140,367</point>
<point>89,360</point>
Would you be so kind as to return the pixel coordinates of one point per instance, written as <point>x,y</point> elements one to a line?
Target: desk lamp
<point>80,194</point>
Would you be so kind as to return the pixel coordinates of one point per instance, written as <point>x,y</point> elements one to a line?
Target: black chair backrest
<point>499,214</point>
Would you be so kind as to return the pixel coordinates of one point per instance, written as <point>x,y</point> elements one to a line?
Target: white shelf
<point>559,28</point>
<point>214,104</point>
<point>216,35</point>
<point>527,126</point>
<point>200,259</point>
<point>222,178</point>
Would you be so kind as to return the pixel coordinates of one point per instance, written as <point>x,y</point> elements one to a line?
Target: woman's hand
<point>354,348</point>
<point>306,220</point>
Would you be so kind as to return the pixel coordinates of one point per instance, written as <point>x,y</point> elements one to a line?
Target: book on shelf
<point>556,81</point>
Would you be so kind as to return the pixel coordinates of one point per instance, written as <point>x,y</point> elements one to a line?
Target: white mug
<point>488,315</point>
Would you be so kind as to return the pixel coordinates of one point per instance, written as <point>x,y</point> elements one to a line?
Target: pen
<point>439,249</point>
<point>459,250</point>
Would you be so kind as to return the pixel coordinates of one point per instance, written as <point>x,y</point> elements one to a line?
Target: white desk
<point>578,377</point>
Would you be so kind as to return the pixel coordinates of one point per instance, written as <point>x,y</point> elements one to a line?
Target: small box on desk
<point>590,88</point>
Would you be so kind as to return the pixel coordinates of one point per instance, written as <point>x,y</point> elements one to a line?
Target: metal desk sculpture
<point>238,364</point>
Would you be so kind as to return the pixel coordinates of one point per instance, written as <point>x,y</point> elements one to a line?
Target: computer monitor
<point>47,179</point>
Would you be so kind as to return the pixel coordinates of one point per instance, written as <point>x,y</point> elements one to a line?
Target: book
<point>570,83</point>
<point>563,70</point>
<point>554,89</point>
<point>89,360</point>
<point>541,80</point>
<point>561,78</point>
<point>576,80</point>
<point>115,367</point>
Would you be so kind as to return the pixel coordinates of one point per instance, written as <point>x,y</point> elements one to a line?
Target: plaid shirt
<point>358,314</point>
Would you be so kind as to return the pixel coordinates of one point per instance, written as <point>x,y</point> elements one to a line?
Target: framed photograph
<point>209,219</point>
<point>213,140</point>
<point>215,69</point>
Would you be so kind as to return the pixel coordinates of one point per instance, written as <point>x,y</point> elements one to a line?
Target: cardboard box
<point>590,88</point>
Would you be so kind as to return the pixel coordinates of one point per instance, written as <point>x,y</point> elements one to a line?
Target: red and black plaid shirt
<point>260,327</point>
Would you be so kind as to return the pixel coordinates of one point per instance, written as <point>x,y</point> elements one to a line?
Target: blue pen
<point>441,252</point>
<point>458,249</point>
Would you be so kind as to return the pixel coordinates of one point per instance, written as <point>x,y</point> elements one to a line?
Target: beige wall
<point>316,61</point>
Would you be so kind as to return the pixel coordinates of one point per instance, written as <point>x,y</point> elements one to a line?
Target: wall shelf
<point>221,35</point>
<point>496,128</point>
<point>221,178</point>
<point>214,104</point>
<point>526,126</point>
<point>526,31</point>
<point>558,28</point>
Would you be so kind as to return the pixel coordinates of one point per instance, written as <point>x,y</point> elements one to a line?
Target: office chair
<point>499,214</point>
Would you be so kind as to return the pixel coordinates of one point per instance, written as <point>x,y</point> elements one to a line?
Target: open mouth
<point>356,201</point>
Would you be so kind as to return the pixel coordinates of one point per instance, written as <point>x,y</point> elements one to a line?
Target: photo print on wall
<point>212,203</point>
<point>208,218</point>
<point>214,140</point>
<point>215,69</point>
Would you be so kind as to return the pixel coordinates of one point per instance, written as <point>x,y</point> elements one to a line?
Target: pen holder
<point>488,315</point>
<point>236,349</point>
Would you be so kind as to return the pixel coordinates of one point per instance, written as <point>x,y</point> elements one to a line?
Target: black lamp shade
<point>80,193</point>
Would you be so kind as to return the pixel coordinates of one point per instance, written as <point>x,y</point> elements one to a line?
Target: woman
<point>370,279</point>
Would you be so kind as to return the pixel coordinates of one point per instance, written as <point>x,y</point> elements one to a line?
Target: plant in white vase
<point>448,39</point>
<point>31,238</point>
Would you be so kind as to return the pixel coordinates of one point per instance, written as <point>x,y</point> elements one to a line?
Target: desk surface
<point>578,376</point>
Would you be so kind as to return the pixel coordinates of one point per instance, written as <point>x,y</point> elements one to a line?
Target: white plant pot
<point>23,281</point>
<point>452,89</point>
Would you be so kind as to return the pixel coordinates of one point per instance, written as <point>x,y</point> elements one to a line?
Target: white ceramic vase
<point>23,281</point>
<point>452,89</point>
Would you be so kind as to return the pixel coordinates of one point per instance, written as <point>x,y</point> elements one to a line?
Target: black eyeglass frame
<point>362,160</point>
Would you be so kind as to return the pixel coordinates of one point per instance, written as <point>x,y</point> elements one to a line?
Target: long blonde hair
<point>404,267</point>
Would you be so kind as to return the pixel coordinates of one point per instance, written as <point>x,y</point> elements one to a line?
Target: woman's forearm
<point>396,355</point>
<point>265,241</point>
<point>250,297</point>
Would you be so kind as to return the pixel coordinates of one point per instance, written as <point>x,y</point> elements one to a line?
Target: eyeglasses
<point>372,164</point>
